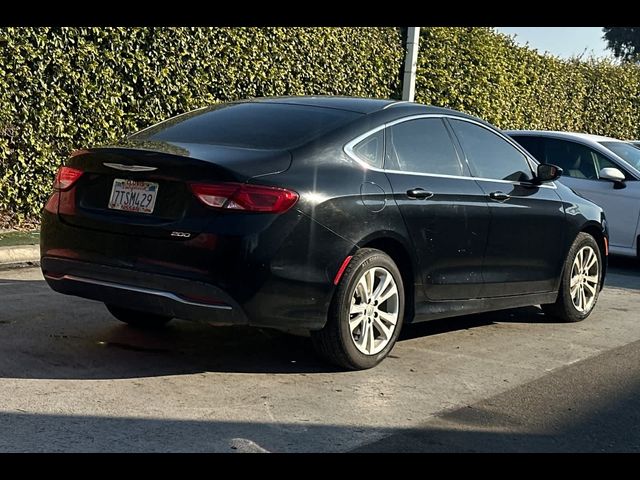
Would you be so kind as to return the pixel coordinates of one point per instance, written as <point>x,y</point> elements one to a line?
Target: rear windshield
<point>252,125</point>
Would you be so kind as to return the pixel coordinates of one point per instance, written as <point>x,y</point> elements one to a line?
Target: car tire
<point>366,313</point>
<point>580,284</point>
<point>142,320</point>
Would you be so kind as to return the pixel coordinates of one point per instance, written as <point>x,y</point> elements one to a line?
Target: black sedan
<point>342,218</point>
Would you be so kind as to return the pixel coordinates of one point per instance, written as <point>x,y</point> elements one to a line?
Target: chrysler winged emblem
<point>130,168</point>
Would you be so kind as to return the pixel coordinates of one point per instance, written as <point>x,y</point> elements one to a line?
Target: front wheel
<point>580,284</point>
<point>366,313</point>
<point>138,319</point>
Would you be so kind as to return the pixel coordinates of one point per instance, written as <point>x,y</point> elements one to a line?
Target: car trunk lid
<point>166,169</point>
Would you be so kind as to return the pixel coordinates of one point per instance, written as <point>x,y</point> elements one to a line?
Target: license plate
<point>133,196</point>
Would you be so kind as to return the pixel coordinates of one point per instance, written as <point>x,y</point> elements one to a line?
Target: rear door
<point>525,246</point>
<point>444,210</point>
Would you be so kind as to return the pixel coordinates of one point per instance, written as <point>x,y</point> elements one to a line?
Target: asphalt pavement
<point>73,379</point>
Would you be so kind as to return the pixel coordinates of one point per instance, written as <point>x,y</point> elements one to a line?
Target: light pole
<point>410,63</point>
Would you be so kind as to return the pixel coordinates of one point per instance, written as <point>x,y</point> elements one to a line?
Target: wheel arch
<point>402,257</point>
<point>595,230</point>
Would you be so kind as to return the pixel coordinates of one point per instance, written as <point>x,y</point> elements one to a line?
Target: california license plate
<point>133,196</point>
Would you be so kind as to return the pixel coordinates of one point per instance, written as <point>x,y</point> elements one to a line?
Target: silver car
<point>602,169</point>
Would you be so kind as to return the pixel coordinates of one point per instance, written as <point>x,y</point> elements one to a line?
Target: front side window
<point>602,162</point>
<point>489,155</point>
<point>422,146</point>
<point>575,159</point>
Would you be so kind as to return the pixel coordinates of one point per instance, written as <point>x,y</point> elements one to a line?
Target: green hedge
<point>66,88</point>
<point>486,74</point>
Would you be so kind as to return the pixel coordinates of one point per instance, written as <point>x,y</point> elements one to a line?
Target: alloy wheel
<point>585,275</point>
<point>373,313</point>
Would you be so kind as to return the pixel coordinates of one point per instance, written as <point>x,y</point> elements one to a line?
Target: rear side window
<point>422,146</point>
<point>253,125</point>
<point>489,155</point>
<point>371,149</point>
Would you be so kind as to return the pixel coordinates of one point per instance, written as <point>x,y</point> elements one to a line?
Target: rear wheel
<point>580,284</point>
<point>366,313</point>
<point>138,319</point>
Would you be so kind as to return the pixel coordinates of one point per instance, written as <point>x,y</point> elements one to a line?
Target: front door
<point>444,209</point>
<point>525,246</point>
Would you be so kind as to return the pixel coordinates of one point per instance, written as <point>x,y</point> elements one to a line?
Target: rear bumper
<point>278,277</point>
<point>149,292</point>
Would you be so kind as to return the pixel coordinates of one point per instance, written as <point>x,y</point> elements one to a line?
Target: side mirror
<point>612,174</point>
<point>548,172</point>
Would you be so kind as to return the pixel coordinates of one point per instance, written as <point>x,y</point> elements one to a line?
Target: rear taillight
<point>66,177</point>
<point>249,198</point>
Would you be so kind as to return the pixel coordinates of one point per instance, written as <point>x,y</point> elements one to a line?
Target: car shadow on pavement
<point>466,322</point>
<point>50,336</point>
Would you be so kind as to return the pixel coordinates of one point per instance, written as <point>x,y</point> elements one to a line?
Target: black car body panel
<point>459,250</point>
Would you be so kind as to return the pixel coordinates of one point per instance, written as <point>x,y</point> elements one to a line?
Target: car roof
<point>559,134</point>
<point>361,104</point>
<point>353,104</point>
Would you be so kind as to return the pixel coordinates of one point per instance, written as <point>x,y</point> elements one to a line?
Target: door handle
<point>419,193</point>
<point>500,196</point>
